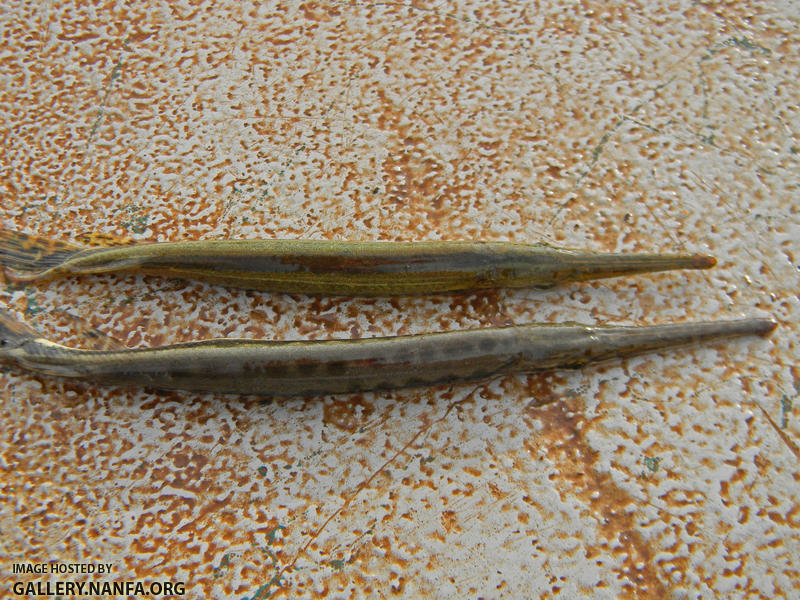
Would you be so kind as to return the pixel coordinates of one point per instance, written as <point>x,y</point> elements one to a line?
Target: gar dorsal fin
<point>97,239</point>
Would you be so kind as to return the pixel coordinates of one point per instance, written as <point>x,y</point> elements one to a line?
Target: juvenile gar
<point>334,267</point>
<point>290,368</point>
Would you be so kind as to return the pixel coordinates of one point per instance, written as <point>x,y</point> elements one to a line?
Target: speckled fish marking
<point>334,267</point>
<point>290,368</point>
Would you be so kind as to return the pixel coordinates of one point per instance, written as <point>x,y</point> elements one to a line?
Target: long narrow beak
<point>624,341</point>
<point>584,266</point>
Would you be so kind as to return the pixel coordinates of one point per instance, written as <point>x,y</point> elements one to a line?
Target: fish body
<point>308,368</point>
<point>334,267</point>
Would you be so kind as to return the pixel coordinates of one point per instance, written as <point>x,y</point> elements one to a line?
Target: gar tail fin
<point>13,332</point>
<point>24,257</point>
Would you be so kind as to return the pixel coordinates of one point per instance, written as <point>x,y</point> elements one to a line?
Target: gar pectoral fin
<point>27,257</point>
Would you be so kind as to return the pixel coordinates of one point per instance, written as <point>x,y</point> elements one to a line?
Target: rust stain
<point>578,477</point>
<point>540,386</point>
<point>449,520</point>
<point>347,414</point>
<point>427,424</point>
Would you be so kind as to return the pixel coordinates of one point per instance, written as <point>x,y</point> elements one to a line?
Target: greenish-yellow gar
<point>334,267</point>
<point>306,368</point>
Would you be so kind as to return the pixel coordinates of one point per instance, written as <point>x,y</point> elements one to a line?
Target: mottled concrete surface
<point>606,126</point>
